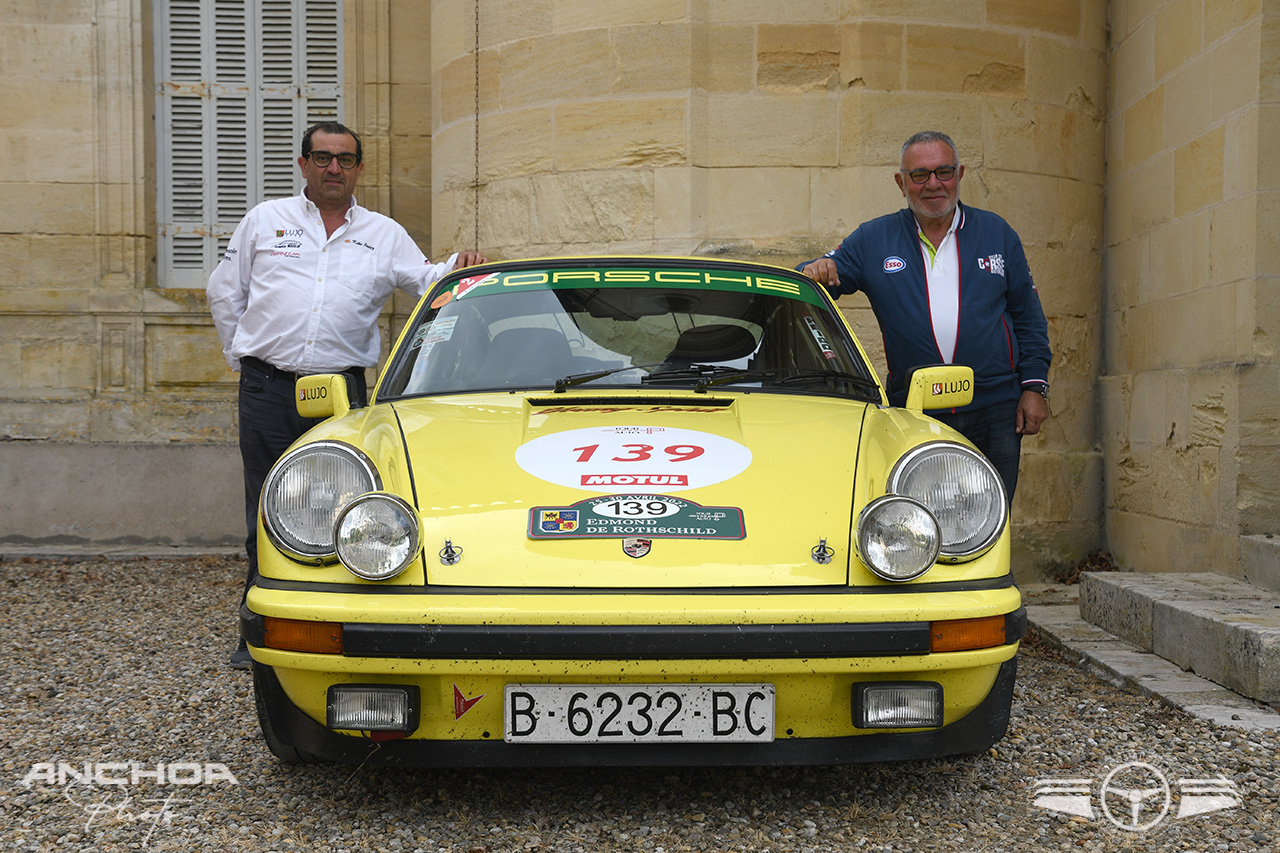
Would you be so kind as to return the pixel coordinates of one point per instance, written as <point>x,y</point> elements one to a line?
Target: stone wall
<point>763,129</point>
<point>101,363</point>
<point>1190,391</point>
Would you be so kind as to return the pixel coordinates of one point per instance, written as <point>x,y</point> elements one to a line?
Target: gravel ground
<point>87,680</point>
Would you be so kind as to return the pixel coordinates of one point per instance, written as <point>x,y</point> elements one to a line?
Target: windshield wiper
<point>582,378</point>
<point>735,375</point>
<point>692,370</point>
<point>791,376</point>
<point>840,376</point>
<point>710,375</point>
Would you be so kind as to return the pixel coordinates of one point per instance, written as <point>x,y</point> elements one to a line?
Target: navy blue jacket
<point>1003,335</point>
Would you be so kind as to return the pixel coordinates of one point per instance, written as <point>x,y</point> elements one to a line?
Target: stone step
<point>1260,556</point>
<point>1223,629</point>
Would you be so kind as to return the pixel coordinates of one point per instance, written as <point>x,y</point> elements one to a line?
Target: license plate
<point>638,713</point>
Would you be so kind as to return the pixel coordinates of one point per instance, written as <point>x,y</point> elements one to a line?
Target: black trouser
<point>269,423</point>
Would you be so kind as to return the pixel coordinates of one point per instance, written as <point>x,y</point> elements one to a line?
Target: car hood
<point>664,492</point>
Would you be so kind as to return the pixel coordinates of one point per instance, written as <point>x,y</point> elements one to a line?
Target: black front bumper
<point>632,642</point>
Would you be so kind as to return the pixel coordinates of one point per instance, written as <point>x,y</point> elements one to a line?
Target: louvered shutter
<point>240,80</point>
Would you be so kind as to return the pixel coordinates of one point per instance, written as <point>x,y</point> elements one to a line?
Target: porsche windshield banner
<point>654,516</point>
<point>674,278</point>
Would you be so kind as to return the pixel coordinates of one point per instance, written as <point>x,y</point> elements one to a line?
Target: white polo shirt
<point>942,272</point>
<point>306,301</point>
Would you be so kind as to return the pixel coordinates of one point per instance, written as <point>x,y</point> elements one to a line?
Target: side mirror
<point>942,386</point>
<point>323,395</point>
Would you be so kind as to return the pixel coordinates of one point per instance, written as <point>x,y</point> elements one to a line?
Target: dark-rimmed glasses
<point>943,173</point>
<point>322,159</point>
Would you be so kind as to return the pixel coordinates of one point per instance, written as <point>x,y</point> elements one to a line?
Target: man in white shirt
<point>299,292</point>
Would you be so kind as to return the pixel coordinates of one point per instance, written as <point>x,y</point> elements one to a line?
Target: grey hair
<point>928,136</point>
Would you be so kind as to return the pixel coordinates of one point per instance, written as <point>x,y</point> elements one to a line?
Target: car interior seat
<point>529,356</point>
<point>711,344</point>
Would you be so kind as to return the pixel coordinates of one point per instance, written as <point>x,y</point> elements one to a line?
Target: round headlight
<point>377,536</point>
<point>962,490</point>
<point>307,489</point>
<point>897,538</point>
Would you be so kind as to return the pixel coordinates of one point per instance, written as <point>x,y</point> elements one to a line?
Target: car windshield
<point>642,324</point>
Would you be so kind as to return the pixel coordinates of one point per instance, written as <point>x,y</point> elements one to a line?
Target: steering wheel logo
<point>1140,794</point>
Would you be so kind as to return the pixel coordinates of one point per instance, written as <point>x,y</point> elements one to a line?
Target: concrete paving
<point>1054,612</point>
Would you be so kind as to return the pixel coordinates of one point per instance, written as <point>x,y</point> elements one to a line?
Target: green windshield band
<point>690,279</point>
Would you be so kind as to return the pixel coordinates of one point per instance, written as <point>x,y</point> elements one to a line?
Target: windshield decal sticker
<point>698,279</point>
<point>651,516</point>
<point>466,285</point>
<point>462,288</point>
<point>819,338</point>
<point>434,332</point>
<point>600,459</point>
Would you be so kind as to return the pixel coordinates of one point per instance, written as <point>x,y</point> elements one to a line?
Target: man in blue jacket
<point>949,284</point>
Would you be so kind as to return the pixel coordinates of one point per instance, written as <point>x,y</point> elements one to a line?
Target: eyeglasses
<point>322,159</point>
<point>943,173</point>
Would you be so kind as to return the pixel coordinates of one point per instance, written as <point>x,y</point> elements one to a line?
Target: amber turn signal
<point>958,635</point>
<point>296,635</point>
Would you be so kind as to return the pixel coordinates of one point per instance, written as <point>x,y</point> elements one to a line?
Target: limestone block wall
<point>389,97</point>
<point>98,352</point>
<point>1190,388</point>
<point>101,362</point>
<point>71,224</point>
<point>763,129</point>
<point>769,130</point>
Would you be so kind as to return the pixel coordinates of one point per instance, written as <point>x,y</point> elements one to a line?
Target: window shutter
<point>240,80</point>
<point>322,61</point>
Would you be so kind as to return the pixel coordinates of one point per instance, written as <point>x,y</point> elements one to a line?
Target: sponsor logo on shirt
<point>894,264</point>
<point>993,264</point>
<point>287,244</point>
<point>362,244</point>
<point>288,232</point>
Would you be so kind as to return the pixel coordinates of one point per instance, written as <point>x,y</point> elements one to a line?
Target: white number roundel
<point>633,459</point>
<point>632,508</point>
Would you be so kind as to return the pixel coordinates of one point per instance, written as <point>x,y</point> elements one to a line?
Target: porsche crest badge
<point>636,547</point>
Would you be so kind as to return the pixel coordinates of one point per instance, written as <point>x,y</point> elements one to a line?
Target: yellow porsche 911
<point>616,511</point>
